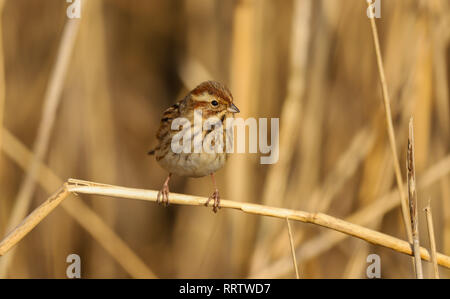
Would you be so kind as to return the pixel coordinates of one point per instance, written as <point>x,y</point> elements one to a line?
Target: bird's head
<point>214,99</point>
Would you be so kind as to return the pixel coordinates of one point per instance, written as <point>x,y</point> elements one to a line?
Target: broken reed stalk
<point>85,187</point>
<point>33,219</point>
<point>79,211</point>
<point>291,241</point>
<point>430,227</point>
<point>390,127</point>
<point>412,196</point>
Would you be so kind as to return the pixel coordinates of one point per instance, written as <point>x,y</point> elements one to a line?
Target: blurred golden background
<point>86,95</point>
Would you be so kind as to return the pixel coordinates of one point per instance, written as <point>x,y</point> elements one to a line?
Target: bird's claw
<point>216,197</point>
<point>163,196</point>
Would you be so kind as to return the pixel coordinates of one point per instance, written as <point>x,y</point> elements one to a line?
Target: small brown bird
<point>215,102</point>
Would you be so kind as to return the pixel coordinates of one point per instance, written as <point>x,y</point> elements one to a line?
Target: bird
<point>213,101</point>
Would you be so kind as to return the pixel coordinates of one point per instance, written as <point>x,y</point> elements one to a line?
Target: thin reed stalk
<point>430,227</point>
<point>291,241</point>
<point>390,128</point>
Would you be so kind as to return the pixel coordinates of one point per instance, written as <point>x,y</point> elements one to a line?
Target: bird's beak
<point>233,109</point>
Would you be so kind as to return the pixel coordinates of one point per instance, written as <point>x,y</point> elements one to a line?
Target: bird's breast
<point>193,164</point>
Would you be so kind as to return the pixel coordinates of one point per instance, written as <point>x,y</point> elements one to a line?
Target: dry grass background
<point>311,63</point>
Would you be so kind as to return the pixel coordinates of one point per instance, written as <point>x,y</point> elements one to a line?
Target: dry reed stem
<point>310,143</point>
<point>429,216</point>
<point>364,216</point>
<point>292,107</point>
<point>242,78</point>
<point>376,181</point>
<point>51,102</point>
<point>291,113</point>
<point>2,71</point>
<point>192,71</point>
<point>80,212</point>
<point>344,169</point>
<point>97,116</point>
<point>291,241</point>
<point>93,188</point>
<point>354,267</point>
<point>440,63</point>
<point>108,239</point>
<point>33,219</point>
<point>412,196</point>
<point>390,128</point>
<point>307,118</point>
<point>445,199</point>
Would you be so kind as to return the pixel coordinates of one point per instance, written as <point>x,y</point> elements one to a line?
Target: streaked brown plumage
<point>213,100</point>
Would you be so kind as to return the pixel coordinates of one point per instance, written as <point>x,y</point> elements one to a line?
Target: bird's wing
<point>166,121</point>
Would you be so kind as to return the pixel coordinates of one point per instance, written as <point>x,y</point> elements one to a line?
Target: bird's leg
<point>215,196</point>
<point>163,194</point>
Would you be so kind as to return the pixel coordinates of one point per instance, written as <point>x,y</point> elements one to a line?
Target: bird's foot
<point>163,195</point>
<point>216,197</point>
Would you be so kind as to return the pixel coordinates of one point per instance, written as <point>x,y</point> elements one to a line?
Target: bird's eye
<point>214,103</point>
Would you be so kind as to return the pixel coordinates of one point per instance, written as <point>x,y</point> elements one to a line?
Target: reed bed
<point>82,98</point>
